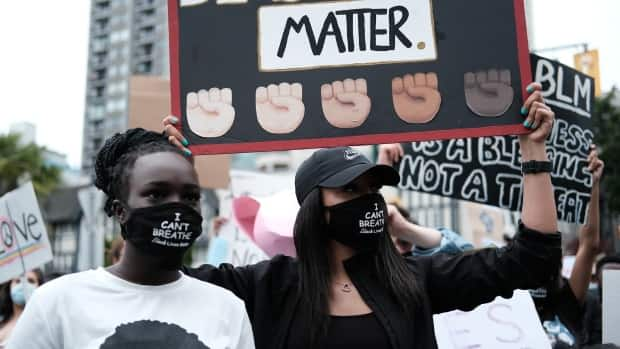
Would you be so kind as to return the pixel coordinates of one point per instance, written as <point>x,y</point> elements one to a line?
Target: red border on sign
<point>175,93</point>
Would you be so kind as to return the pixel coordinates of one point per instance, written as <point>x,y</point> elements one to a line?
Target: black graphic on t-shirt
<point>146,334</point>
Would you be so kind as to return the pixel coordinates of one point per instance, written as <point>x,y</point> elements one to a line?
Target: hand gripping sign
<point>487,170</point>
<point>260,75</point>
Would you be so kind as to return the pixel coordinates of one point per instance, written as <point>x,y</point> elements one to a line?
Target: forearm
<point>581,274</point>
<point>588,247</point>
<point>591,230</point>
<point>420,236</point>
<point>539,211</point>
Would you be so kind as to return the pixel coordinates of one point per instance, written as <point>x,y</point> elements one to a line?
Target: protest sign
<point>25,244</point>
<point>611,306</point>
<point>266,75</point>
<point>233,244</point>
<point>501,324</point>
<point>488,170</point>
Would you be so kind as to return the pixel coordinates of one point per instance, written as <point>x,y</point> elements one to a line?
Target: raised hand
<point>595,165</point>
<point>389,154</point>
<point>346,103</point>
<point>280,109</point>
<point>416,97</point>
<point>539,117</point>
<point>210,114</point>
<point>489,94</point>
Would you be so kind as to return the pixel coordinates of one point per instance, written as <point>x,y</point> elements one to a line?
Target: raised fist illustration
<point>210,114</point>
<point>489,94</point>
<point>346,103</point>
<point>280,109</point>
<point>416,97</point>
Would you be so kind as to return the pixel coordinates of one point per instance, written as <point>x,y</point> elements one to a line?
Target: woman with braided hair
<point>143,301</point>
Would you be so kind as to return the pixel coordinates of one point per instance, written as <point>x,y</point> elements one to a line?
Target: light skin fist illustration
<point>210,113</point>
<point>489,93</point>
<point>416,97</point>
<point>280,108</point>
<point>346,103</point>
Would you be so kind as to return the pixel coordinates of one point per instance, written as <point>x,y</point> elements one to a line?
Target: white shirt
<point>97,310</point>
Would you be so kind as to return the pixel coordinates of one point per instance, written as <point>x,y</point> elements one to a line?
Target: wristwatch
<point>534,166</point>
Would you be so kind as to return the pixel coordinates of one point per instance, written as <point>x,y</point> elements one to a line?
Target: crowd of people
<point>365,276</point>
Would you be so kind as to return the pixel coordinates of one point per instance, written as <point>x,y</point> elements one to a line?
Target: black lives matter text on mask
<point>174,233</point>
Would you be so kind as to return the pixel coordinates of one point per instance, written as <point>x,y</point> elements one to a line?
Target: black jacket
<point>447,282</point>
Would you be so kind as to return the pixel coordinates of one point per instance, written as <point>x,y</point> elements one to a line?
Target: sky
<point>45,50</point>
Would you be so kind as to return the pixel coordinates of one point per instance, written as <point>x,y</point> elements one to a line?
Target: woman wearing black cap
<point>349,288</point>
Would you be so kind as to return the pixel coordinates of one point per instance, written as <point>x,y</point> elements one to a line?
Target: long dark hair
<point>311,243</point>
<point>6,303</point>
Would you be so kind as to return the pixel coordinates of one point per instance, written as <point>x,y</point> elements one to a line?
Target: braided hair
<point>117,157</point>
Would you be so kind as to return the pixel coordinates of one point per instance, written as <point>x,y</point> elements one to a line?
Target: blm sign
<point>260,75</point>
<point>488,170</point>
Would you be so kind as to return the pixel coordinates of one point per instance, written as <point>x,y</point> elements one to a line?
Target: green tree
<point>606,124</point>
<point>18,162</point>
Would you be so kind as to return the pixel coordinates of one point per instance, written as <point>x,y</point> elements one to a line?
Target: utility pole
<point>529,19</point>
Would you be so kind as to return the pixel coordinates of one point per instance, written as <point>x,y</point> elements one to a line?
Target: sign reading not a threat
<point>488,169</point>
<point>260,75</point>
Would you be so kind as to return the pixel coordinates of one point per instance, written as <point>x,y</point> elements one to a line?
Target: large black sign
<point>261,75</point>
<point>488,170</point>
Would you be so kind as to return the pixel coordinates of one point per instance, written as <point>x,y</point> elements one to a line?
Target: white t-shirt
<point>97,310</point>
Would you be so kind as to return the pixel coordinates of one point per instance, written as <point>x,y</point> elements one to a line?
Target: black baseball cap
<point>337,167</point>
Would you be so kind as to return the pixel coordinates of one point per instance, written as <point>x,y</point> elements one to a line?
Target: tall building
<point>127,37</point>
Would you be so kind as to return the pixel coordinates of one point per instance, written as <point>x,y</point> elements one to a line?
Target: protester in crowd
<point>15,295</point>
<point>348,274</point>
<point>143,301</point>
<point>560,304</point>
<point>116,250</point>
<point>426,241</point>
<point>593,310</point>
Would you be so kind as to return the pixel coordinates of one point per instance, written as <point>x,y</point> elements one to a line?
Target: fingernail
<point>174,120</point>
<point>530,89</point>
<point>524,111</point>
<point>185,142</point>
<point>187,152</point>
<point>526,123</point>
<point>534,125</point>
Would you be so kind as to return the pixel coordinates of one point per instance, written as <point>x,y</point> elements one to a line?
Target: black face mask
<point>167,230</point>
<point>359,223</point>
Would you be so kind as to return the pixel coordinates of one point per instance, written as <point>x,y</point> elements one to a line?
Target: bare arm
<point>420,236</point>
<point>539,211</point>
<point>589,234</point>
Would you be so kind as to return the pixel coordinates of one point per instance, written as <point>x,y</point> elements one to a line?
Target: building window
<point>65,248</point>
<point>145,67</point>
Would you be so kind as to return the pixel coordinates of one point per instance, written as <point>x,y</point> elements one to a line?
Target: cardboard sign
<point>501,324</point>
<point>25,244</point>
<point>233,245</point>
<point>267,75</point>
<point>488,170</point>
<point>611,306</point>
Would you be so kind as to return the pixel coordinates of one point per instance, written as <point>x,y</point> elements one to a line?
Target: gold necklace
<point>345,287</point>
